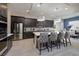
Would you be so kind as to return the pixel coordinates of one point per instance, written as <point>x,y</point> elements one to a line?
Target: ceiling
<point>49,10</point>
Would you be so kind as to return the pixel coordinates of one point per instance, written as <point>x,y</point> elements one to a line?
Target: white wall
<point>58,24</point>
<point>75,25</point>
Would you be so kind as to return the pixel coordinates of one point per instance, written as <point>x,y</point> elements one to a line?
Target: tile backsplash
<point>38,29</point>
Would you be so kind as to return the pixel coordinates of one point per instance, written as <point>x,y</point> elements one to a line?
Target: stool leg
<point>70,41</point>
<point>51,45</point>
<point>66,42</point>
<point>47,46</point>
<point>40,49</point>
<point>57,43</point>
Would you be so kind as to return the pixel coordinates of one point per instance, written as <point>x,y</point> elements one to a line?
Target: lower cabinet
<point>9,44</point>
<point>27,35</point>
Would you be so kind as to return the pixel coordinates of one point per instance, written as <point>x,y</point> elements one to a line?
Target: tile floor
<point>26,47</point>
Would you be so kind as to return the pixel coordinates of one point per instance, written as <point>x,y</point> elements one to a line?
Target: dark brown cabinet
<point>10,38</point>
<point>16,19</point>
<point>46,23</point>
<point>49,23</point>
<point>28,22</point>
<point>41,24</point>
<point>3,12</point>
<point>9,44</point>
<point>28,35</point>
<point>5,39</point>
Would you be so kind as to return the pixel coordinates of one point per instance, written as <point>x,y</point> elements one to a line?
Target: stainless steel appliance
<point>3,45</point>
<point>18,31</point>
<point>3,28</point>
<point>3,35</point>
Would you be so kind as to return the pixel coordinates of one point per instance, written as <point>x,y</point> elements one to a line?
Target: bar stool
<point>67,38</point>
<point>43,41</point>
<point>53,39</point>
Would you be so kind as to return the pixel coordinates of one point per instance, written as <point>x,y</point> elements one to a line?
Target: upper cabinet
<point>49,23</point>
<point>46,23</point>
<point>3,20</point>
<point>29,22</point>
<point>3,12</point>
<point>17,19</point>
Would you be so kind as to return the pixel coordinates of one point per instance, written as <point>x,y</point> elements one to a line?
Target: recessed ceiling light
<point>38,5</point>
<point>66,8</point>
<point>27,10</point>
<point>41,18</point>
<point>55,9</point>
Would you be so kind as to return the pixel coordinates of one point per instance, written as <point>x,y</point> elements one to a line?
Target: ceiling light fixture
<point>66,8</point>
<point>38,5</point>
<point>27,11</point>
<point>55,9</point>
<point>41,19</point>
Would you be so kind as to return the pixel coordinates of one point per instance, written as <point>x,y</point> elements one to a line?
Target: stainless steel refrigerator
<point>18,31</point>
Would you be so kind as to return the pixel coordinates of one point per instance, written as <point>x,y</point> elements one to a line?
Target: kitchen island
<point>37,34</point>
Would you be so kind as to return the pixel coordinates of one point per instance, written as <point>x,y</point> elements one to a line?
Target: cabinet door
<point>3,13</point>
<point>48,23</point>
<point>41,24</point>
<point>9,44</point>
<point>28,35</point>
<point>0,11</point>
<point>30,22</point>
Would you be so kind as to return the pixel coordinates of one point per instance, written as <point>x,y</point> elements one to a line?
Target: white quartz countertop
<point>6,36</point>
<point>9,34</point>
<point>38,33</point>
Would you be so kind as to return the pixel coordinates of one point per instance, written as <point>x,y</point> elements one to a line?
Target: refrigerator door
<point>20,30</point>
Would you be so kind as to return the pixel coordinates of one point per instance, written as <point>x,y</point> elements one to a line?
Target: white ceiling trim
<point>73,15</point>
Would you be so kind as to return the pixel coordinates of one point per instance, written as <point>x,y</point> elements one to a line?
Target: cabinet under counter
<point>27,35</point>
<point>7,41</point>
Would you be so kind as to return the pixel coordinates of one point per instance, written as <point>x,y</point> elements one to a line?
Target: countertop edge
<point>5,36</point>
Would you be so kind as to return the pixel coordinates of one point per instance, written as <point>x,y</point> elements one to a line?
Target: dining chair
<point>43,41</point>
<point>53,39</point>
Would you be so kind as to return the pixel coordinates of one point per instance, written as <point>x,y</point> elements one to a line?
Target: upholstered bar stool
<point>67,38</point>
<point>53,39</point>
<point>43,41</point>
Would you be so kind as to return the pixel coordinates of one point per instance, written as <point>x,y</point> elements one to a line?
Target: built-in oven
<point>3,39</point>
<point>3,45</point>
<point>3,28</point>
<point>3,36</point>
